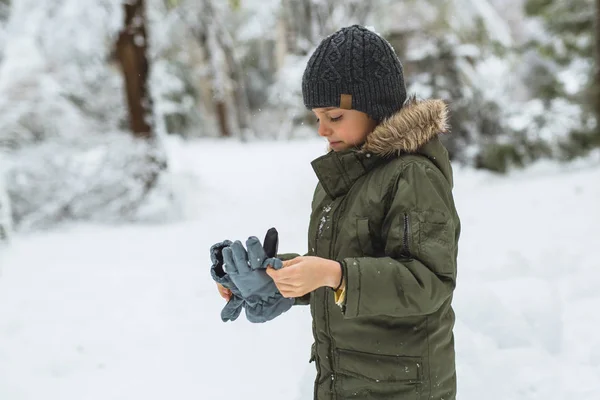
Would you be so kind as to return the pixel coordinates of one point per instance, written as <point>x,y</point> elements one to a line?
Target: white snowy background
<point>130,312</point>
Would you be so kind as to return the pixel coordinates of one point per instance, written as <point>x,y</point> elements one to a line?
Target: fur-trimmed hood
<point>412,130</point>
<point>409,129</point>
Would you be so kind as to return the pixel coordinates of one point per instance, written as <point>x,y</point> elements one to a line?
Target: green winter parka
<point>386,212</point>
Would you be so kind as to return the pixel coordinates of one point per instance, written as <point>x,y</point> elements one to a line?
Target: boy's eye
<point>331,119</point>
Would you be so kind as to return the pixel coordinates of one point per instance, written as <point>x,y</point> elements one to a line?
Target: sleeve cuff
<point>351,287</point>
<point>287,256</point>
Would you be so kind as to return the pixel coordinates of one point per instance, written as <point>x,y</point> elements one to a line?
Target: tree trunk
<point>281,44</point>
<point>240,94</point>
<point>308,28</point>
<point>298,25</point>
<point>221,110</point>
<point>215,56</point>
<point>131,52</point>
<point>206,32</point>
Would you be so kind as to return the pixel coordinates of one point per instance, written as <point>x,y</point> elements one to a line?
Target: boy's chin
<point>338,146</point>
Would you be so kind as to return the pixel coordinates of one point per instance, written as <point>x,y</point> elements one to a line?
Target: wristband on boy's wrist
<point>341,277</point>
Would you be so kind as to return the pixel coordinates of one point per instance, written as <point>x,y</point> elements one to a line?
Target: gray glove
<point>234,306</point>
<point>247,270</point>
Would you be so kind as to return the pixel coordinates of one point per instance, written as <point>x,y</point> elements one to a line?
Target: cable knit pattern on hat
<point>358,62</point>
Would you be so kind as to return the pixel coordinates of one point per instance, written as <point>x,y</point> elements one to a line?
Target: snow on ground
<point>127,312</point>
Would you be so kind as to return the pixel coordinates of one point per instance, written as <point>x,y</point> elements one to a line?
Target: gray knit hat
<point>355,68</point>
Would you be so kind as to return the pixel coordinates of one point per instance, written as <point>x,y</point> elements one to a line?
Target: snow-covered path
<point>109,313</point>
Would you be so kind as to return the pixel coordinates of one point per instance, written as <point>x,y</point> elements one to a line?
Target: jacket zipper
<point>316,251</point>
<point>331,250</point>
<point>314,328</point>
<point>331,247</point>
<point>406,235</point>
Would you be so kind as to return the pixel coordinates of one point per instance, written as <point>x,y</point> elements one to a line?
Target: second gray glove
<point>247,270</point>
<point>234,306</point>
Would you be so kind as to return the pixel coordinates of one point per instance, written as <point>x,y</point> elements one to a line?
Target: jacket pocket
<point>435,240</point>
<point>379,376</point>
<point>364,236</point>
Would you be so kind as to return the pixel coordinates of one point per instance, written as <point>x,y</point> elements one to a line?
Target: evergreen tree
<point>563,68</point>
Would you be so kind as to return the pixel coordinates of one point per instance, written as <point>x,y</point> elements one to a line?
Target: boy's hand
<point>224,292</point>
<point>303,275</point>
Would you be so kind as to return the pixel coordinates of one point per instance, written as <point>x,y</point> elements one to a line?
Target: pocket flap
<point>380,368</point>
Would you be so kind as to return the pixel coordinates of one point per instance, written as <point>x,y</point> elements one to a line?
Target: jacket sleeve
<point>298,301</point>
<point>420,233</point>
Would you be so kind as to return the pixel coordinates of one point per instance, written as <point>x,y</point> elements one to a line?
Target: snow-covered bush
<point>105,178</point>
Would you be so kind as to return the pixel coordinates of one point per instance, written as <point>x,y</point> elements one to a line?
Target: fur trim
<point>416,123</point>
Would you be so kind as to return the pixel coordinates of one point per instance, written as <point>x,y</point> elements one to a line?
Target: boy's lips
<point>334,143</point>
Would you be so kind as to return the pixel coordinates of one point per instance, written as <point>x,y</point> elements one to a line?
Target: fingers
<point>289,291</point>
<point>286,288</point>
<point>271,242</point>
<point>236,259</point>
<point>290,281</point>
<point>283,275</point>
<point>240,257</point>
<point>291,262</point>
<point>224,292</point>
<point>256,253</point>
<point>273,273</point>
<point>228,261</point>
<point>232,310</point>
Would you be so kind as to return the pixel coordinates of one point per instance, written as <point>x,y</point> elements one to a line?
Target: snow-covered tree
<point>306,22</point>
<point>216,62</point>
<point>52,85</point>
<point>301,25</point>
<point>519,83</point>
<point>561,70</point>
<point>62,115</point>
<point>458,51</point>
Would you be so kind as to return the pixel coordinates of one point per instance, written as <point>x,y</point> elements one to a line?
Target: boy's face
<point>343,128</point>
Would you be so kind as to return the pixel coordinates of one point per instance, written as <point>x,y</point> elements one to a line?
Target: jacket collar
<point>407,131</point>
<point>337,171</point>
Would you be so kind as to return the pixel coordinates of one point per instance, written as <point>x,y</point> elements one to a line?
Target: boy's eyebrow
<point>325,109</point>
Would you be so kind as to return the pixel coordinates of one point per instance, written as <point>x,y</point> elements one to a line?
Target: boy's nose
<point>324,130</point>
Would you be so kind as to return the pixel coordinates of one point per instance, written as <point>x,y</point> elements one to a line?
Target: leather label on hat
<point>346,101</point>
